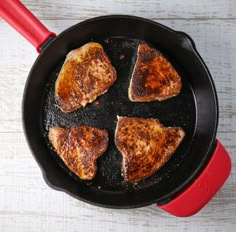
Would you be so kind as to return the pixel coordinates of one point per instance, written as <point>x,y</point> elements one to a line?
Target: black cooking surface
<point>102,113</point>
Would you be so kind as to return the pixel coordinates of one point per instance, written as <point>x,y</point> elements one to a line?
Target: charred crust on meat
<point>79,147</point>
<point>153,77</point>
<point>145,145</point>
<point>86,74</point>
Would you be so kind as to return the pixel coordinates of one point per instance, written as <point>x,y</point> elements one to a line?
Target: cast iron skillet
<point>195,109</point>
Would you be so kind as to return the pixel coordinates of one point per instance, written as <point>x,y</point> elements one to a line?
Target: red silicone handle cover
<point>204,187</point>
<point>19,17</point>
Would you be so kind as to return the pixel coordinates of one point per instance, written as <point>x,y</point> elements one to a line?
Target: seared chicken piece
<point>79,147</point>
<point>145,145</point>
<point>153,77</point>
<point>86,73</point>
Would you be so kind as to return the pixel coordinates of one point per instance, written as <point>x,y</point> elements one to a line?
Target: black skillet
<point>199,166</point>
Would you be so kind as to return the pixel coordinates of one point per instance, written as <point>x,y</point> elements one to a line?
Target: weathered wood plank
<point>159,9</point>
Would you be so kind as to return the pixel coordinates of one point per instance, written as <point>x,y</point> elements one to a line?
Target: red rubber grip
<point>204,187</point>
<point>20,18</point>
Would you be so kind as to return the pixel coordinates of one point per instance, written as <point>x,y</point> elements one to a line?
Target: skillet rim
<point>48,43</point>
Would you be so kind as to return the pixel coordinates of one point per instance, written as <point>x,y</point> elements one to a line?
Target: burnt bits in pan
<point>178,111</point>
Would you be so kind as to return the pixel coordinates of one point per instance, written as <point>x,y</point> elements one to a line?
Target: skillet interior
<point>186,110</point>
<point>178,111</point>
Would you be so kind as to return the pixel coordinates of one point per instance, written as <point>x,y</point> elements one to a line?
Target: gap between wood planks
<point>150,18</point>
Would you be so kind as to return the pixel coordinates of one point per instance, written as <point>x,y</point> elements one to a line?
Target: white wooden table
<point>27,204</point>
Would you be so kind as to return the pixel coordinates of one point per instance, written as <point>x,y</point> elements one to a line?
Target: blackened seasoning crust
<point>145,145</point>
<point>86,73</point>
<point>79,147</point>
<point>153,77</point>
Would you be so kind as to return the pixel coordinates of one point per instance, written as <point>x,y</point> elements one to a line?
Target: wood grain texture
<point>154,9</point>
<point>28,204</point>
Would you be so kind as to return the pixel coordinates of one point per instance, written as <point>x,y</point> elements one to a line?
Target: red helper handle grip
<point>204,187</point>
<point>19,17</point>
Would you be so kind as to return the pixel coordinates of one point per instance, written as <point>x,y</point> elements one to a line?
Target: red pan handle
<point>19,17</point>
<point>204,187</point>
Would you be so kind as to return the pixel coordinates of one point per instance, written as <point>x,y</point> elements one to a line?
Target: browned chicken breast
<point>86,73</point>
<point>79,147</point>
<point>145,145</point>
<point>153,77</point>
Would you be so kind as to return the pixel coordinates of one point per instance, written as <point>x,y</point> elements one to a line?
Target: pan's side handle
<point>186,38</point>
<point>20,18</point>
<point>203,188</point>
